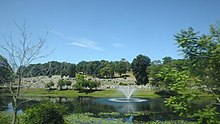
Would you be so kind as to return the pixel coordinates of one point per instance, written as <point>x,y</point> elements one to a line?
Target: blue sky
<point>108,29</point>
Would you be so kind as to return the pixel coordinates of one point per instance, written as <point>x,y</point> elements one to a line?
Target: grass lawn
<point>140,93</point>
<point>100,93</point>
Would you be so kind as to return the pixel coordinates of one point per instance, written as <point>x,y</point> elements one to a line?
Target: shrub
<point>60,83</point>
<point>123,84</point>
<point>5,118</point>
<point>93,84</point>
<point>68,83</point>
<point>208,115</point>
<point>49,84</point>
<point>45,113</point>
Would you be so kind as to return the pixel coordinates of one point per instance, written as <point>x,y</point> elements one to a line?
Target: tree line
<point>101,69</point>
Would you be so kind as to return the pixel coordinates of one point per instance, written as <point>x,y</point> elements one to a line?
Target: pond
<point>144,110</point>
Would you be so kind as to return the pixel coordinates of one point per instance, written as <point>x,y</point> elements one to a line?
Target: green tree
<point>45,113</point>
<point>50,84</point>
<point>121,67</point>
<point>167,59</point>
<point>187,92</point>
<point>81,66</point>
<point>68,83</point>
<point>107,71</point>
<point>80,82</point>
<point>203,53</point>
<point>181,84</point>
<point>139,66</point>
<point>92,84</point>
<point>61,83</point>
<point>154,69</point>
<point>201,75</point>
<point>6,71</point>
<point>72,71</point>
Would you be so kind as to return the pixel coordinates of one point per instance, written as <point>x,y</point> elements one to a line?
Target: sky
<point>107,29</point>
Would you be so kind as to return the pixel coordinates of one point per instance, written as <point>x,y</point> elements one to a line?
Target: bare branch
<point>19,57</point>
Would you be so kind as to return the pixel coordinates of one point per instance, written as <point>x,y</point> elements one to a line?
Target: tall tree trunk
<point>15,101</point>
<point>14,116</point>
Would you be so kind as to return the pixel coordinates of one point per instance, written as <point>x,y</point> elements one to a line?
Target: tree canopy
<point>6,71</point>
<point>139,66</point>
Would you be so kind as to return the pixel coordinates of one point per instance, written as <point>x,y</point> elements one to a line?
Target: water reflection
<point>151,109</point>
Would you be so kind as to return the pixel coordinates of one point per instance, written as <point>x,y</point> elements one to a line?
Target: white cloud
<point>60,34</point>
<point>86,44</point>
<point>78,42</point>
<point>118,45</point>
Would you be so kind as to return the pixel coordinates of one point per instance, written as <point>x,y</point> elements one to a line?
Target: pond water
<point>145,110</point>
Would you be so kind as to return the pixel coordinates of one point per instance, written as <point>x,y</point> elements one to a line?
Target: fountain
<point>127,91</point>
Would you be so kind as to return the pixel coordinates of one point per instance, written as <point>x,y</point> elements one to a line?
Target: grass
<point>99,93</point>
<point>140,93</point>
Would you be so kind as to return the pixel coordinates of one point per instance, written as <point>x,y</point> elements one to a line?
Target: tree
<point>157,68</point>
<point>203,53</point>
<point>153,70</point>
<point>167,59</point>
<point>81,66</point>
<point>72,71</point>
<point>50,84</point>
<point>201,74</point>
<point>80,82</point>
<point>186,92</point>
<point>139,66</point>
<point>20,53</point>
<point>60,83</point>
<point>68,83</point>
<point>6,71</point>
<point>107,71</point>
<point>121,67</point>
<point>92,84</point>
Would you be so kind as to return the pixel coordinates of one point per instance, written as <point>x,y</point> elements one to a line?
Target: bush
<point>49,84</point>
<point>93,84</point>
<point>68,83</point>
<point>5,118</point>
<point>60,83</point>
<point>208,115</point>
<point>45,113</point>
<point>123,84</point>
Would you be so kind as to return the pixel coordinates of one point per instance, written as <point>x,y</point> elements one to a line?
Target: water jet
<point>127,91</point>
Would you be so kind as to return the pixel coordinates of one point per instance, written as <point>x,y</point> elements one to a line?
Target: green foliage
<point>82,83</point>
<point>5,118</point>
<point>72,71</point>
<point>49,84</point>
<point>45,113</point>
<point>123,84</point>
<point>67,83</point>
<point>107,71</point>
<point>207,115</point>
<point>60,83</point>
<point>203,52</point>
<point>139,66</point>
<point>186,89</point>
<point>122,67</point>
<point>100,69</point>
<point>6,71</point>
<point>167,59</point>
<point>182,85</point>
<point>157,68</point>
<point>93,84</point>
